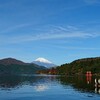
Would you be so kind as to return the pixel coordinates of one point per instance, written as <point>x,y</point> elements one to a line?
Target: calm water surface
<point>36,87</point>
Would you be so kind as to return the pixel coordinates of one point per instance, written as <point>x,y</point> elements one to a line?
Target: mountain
<point>80,66</point>
<point>9,61</point>
<point>44,62</point>
<point>14,66</point>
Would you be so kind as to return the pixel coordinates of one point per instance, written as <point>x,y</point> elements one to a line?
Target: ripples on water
<point>43,87</point>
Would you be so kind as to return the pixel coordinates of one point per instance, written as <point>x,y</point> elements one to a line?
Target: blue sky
<point>58,30</point>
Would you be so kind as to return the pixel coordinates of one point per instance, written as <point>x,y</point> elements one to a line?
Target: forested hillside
<point>80,66</point>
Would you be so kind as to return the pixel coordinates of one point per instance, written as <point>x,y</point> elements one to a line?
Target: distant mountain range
<point>44,62</point>
<point>80,66</point>
<point>14,66</point>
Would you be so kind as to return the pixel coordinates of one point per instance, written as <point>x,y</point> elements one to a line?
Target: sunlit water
<point>36,87</point>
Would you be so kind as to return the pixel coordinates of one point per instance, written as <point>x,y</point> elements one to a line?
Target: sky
<point>58,30</point>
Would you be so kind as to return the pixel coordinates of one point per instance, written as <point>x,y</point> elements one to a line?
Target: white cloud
<point>91,1</point>
<point>57,33</point>
<point>9,29</point>
<point>78,48</point>
<point>47,36</point>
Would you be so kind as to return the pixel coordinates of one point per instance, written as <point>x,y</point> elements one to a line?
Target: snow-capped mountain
<point>44,62</point>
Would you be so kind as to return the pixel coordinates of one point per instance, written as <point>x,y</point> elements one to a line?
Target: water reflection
<point>82,83</point>
<point>41,87</point>
<point>97,85</point>
<point>79,83</point>
<point>39,82</point>
<point>42,83</point>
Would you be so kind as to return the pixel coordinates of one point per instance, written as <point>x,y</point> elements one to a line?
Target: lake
<point>49,87</point>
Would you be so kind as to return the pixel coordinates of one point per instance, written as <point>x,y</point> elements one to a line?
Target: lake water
<point>42,87</point>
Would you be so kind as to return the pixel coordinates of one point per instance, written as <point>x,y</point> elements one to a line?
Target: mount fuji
<point>44,62</point>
